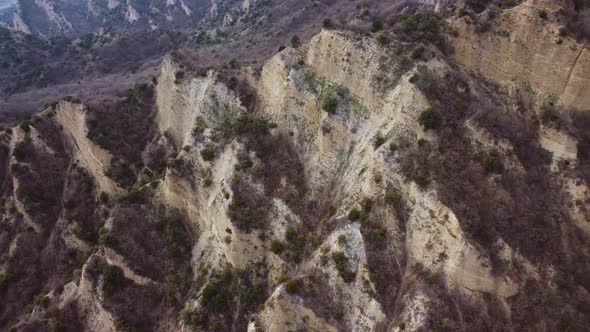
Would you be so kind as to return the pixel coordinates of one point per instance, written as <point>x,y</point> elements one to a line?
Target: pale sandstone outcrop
<point>343,158</point>
<point>530,53</point>
<point>96,160</point>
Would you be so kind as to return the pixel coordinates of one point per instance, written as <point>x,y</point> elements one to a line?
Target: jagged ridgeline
<point>356,182</point>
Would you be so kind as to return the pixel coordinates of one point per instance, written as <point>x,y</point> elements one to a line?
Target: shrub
<point>283,278</point>
<point>423,26</point>
<point>422,142</point>
<point>377,233</point>
<point>342,239</point>
<point>277,247</point>
<point>392,147</point>
<point>341,262</point>
<point>214,297</point>
<point>491,163</point>
<point>25,126</point>
<point>383,39</point>
<point>132,195</point>
<point>354,214</point>
<point>367,204</point>
<point>430,119</point>
<point>200,126</point>
<point>376,26</point>
<point>291,286</point>
<point>543,14</point>
<point>327,22</point>
<point>208,152</point>
<point>329,102</point>
<point>20,149</point>
<point>392,197</point>
<point>295,41</point>
<point>178,76</point>
<point>378,178</point>
<point>113,279</point>
<point>104,197</point>
<point>422,181</point>
<point>414,78</point>
<point>378,140</point>
<point>6,279</point>
<point>293,237</point>
<point>417,53</point>
<point>42,300</point>
<point>107,239</point>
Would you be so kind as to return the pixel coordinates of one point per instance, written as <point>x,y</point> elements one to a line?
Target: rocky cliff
<point>356,182</point>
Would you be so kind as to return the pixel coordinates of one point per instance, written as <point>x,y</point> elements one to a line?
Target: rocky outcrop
<point>523,47</point>
<point>72,118</point>
<point>345,186</point>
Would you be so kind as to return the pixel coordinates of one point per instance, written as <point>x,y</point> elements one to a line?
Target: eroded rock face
<point>522,46</point>
<point>72,118</point>
<point>344,187</point>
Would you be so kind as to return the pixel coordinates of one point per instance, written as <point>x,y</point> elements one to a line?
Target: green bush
<point>422,181</point>
<point>376,26</point>
<point>367,204</point>
<point>291,286</point>
<point>113,279</point>
<point>277,247</point>
<point>491,163</point>
<point>392,197</point>
<point>214,297</point>
<point>378,140</point>
<point>283,278</point>
<point>383,39</point>
<point>200,126</point>
<point>543,14</point>
<point>354,214</point>
<point>430,119</point>
<point>377,233</point>
<point>377,178</point>
<point>132,195</point>
<point>417,53</point>
<point>6,279</point>
<point>327,22</point>
<point>330,102</point>
<point>107,239</point>
<point>295,41</point>
<point>341,262</point>
<point>208,152</point>
<point>104,197</point>
<point>42,300</point>
<point>424,26</point>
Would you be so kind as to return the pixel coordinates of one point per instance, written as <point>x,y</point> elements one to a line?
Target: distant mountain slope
<point>57,17</point>
<point>6,10</point>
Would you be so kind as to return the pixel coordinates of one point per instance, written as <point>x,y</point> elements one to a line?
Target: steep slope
<point>524,45</point>
<point>354,183</point>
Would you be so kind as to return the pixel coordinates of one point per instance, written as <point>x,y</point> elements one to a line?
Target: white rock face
<point>72,117</point>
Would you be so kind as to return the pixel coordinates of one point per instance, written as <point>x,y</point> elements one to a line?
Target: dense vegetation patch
<point>227,296</point>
